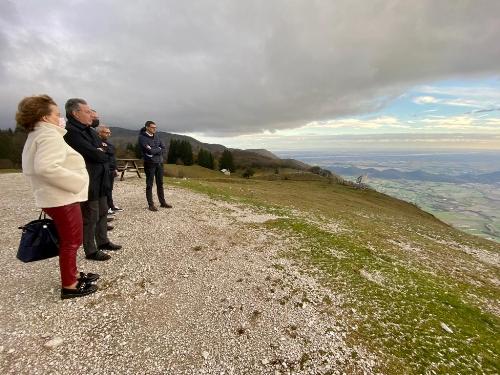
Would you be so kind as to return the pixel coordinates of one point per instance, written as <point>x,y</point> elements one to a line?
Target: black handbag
<point>39,240</point>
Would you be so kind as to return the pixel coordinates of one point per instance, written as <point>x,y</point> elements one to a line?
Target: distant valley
<point>419,175</point>
<point>461,189</point>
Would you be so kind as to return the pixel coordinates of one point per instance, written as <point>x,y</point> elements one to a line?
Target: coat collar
<point>48,125</point>
<point>75,123</point>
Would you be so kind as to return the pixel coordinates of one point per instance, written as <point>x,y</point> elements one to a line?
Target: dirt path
<point>198,289</point>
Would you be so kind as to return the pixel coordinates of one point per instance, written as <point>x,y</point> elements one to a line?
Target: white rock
<point>11,351</point>
<point>205,354</point>
<point>1,348</point>
<point>265,361</point>
<point>446,328</point>
<point>56,341</point>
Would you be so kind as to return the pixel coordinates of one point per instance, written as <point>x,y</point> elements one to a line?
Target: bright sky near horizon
<point>451,114</point>
<point>281,75</point>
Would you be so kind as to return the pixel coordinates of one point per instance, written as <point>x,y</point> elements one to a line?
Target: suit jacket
<point>154,154</point>
<point>110,151</point>
<point>85,141</point>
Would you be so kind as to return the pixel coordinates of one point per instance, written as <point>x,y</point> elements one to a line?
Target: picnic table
<point>128,165</point>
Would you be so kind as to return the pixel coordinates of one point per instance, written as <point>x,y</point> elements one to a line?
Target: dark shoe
<point>109,246</point>
<point>153,208</point>
<point>82,289</point>
<point>110,211</point>
<point>110,219</point>
<point>88,277</point>
<point>165,205</point>
<point>110,227</point>
<point>98,255</point>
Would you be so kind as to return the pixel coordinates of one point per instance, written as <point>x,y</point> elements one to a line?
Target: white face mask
<point>62,122</point>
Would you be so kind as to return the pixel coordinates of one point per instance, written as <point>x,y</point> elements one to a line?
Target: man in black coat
<point>104,133</point>
<point>83,139</point>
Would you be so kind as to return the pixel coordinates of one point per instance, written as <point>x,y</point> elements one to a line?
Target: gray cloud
<point>226,68</point>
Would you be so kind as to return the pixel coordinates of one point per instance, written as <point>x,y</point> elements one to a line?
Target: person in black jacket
<point>152,148</point>
<point>104,133</point>
<point>83,139</point>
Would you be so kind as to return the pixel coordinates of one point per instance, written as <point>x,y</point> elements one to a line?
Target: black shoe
<point>88,277</point>
<point>153,208</point>
<point>110,227</point>
<point>98,255</point>
<point>109,246</point>
<point>165,205</point>
<point>82,289</point>
<point>110,219</point>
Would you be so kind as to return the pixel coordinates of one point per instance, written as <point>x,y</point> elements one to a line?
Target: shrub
<point>249,172</point>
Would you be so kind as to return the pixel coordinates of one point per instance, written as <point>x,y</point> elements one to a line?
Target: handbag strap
<point>39,218</point>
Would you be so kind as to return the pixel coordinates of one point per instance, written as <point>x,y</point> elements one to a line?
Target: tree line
<point>11,148</point>
<point>179,152</point>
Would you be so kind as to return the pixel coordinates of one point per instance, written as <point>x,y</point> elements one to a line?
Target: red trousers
<point>69,225</point>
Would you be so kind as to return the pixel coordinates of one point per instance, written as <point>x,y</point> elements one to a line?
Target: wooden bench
<point>128,165</point>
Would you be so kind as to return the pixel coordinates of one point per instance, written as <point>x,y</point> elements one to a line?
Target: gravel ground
<point>197,289</point>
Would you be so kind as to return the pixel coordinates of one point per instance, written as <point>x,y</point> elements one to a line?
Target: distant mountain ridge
<point>263,152</point>
<point>418,175</point>
<point>256,158</point>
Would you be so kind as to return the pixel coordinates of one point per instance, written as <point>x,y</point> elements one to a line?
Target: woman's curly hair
<point>31,109</point>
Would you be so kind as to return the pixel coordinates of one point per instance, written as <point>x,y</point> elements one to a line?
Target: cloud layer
<point>233,67</point>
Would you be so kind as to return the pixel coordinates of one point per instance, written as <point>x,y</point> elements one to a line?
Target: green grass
<point>193,171</point>
<point>401,317</point>
<point>419,275</point>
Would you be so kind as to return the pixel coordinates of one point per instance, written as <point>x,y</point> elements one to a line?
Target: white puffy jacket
<point>56,172</point>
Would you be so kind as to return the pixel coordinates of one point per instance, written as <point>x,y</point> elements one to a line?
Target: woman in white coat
<point>59,181</point>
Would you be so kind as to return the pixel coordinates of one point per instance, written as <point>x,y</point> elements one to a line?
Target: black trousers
<point>154,171</point>
<point>95,224</point>
<point>110,194</point>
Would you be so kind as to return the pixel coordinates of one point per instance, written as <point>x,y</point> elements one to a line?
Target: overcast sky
<point>248,68</point>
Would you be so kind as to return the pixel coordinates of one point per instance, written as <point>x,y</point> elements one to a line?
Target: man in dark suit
<point>104,133</point>
<point>83,139</point>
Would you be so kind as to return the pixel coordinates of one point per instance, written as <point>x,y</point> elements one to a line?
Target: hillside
<point>257,158</point>
<point>420,293</point>
<point>121,137</point>
<point>294,275</point>
<point>263,152</point>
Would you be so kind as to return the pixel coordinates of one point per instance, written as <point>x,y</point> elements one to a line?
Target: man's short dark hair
<point>73,105</point>
<point>149,123</point>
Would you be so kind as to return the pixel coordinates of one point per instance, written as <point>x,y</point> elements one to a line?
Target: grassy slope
<point>401,271</point>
